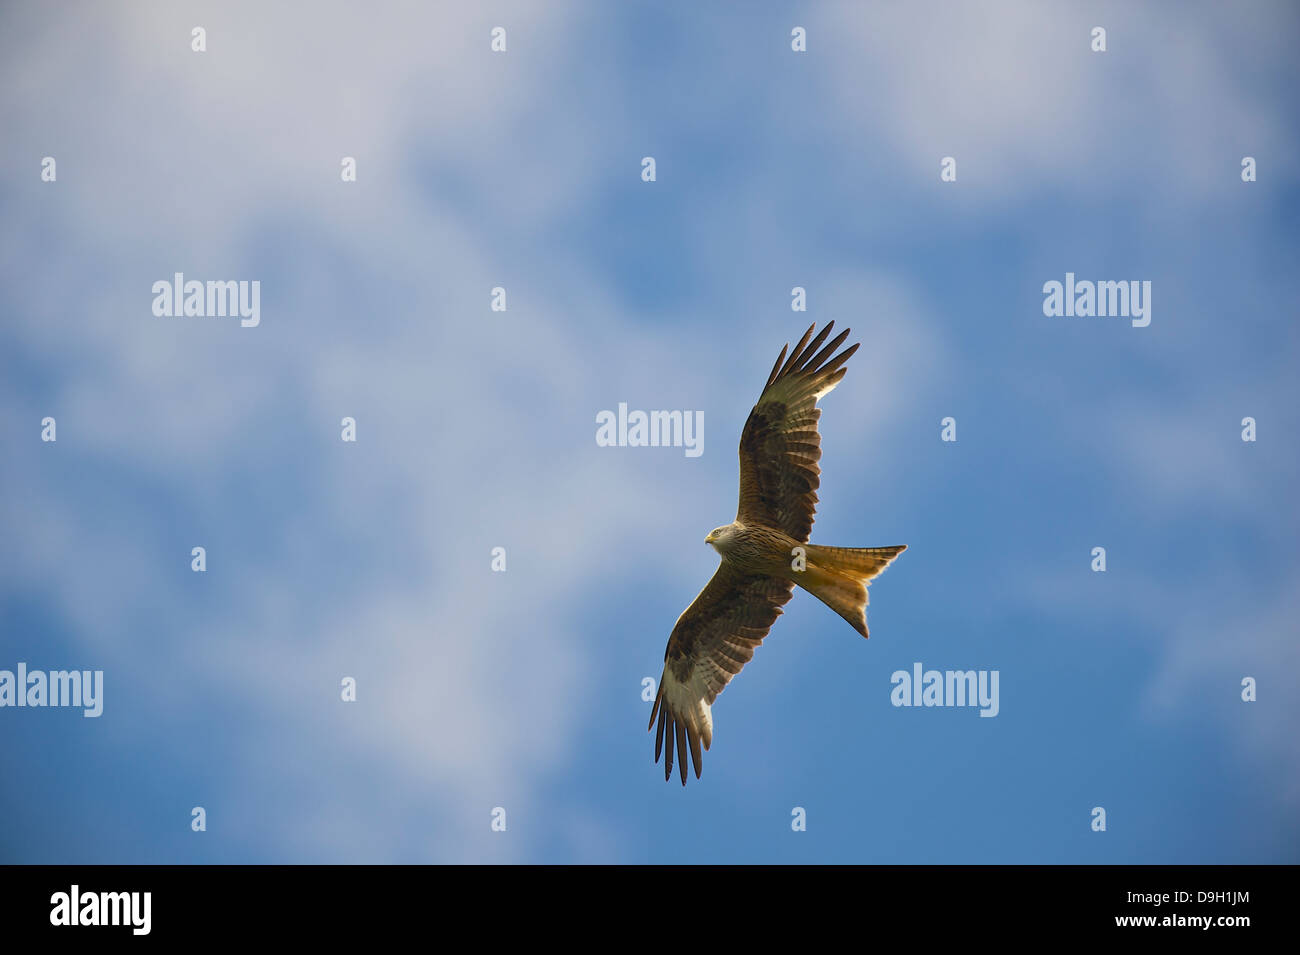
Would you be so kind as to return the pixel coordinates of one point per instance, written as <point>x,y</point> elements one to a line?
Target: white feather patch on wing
<point>825,390</point>
<point>686,700</point>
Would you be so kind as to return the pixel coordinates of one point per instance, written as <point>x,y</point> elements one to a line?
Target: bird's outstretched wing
<point>780,446</point>
<point>713,639</point>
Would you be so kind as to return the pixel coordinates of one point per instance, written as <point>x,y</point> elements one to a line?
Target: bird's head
<point>720,535</point>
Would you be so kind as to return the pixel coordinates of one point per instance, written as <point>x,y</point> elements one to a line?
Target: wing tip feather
<point>798,350</point>
<point>815,368</point>
<point>688,733</point>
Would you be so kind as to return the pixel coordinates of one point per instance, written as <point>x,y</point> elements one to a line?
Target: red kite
<point>765,552</point>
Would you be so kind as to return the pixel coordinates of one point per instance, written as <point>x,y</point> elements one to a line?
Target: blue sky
<point>476,429</point>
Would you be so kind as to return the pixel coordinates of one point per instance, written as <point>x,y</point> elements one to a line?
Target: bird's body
<point>754,550</point>
<point>765,552</point>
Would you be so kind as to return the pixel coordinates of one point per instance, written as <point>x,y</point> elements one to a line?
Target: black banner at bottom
<point>89,904</point>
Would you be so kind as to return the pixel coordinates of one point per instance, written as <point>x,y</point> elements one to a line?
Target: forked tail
<point>838,577</point>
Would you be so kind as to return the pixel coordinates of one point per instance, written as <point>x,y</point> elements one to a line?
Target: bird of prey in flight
<point>765,552</point>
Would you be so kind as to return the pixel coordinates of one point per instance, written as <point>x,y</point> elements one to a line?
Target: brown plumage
<point>765,552</point>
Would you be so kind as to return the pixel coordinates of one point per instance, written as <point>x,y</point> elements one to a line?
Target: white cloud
<point>472,683</point>
<point>1014,92</point>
